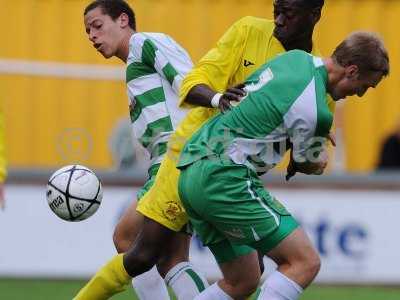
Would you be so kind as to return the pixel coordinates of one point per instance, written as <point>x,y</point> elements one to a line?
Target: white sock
<point>213,292</point>
<point>279,287</point>
<point>186,282</point>
<point>150,286</point>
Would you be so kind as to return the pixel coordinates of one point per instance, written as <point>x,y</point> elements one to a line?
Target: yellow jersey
<point>248,44</point>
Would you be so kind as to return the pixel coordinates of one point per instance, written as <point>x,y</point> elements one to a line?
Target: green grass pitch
<point>19,289</point>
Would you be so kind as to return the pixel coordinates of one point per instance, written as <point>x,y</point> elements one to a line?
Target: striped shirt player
<point>156,66</point>
<point>227,203</point>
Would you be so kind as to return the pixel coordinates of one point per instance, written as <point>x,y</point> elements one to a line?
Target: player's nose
<point>92,37</point>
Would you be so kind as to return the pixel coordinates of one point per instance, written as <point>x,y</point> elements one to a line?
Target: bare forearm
<point>203,95</point>
<point>200,94</point>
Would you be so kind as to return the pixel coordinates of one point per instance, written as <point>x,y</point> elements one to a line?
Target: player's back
<point>284,95</point>
<point>248,44</point>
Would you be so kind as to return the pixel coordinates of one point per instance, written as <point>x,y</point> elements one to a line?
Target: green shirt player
<point>156,65</point>
<point>219,185</point>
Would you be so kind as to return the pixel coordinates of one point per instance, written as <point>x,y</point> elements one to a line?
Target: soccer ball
<point>74,193</point>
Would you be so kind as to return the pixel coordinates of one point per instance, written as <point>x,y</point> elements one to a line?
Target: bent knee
<point>137,263</point>
<point>309,264</point>
<point>313,264</point>
<point>122,240</point>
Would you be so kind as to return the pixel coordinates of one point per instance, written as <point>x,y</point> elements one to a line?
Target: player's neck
<point>334,70</point>
<point>335,73</point>
<point>302,41</point>
<point>303,44</point>
<point>123,51</point>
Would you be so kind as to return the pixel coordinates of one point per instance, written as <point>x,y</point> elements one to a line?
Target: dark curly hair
<point>114,8</point>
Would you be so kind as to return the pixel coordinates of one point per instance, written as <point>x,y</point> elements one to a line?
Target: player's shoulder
<point>295,58</point>
<point>139,38</point>
<point>255,23</point>
<point>153,40</point>
<point>299,54</point>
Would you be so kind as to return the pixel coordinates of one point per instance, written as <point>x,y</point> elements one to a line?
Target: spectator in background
<point>3,171</point>
<point>390,153</point>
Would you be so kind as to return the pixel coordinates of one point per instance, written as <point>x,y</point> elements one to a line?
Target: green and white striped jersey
<point>286,100</point>
<point>156,66</point>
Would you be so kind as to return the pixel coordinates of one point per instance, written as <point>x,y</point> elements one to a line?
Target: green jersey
<point>156,66</point>
<point>286,101</point>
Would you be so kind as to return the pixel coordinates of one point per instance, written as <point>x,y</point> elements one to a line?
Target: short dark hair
<point>313,3</point>
<point>114,8</point>
<point>364,49</point>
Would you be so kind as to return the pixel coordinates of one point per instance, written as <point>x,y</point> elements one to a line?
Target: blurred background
<point>63,103</point>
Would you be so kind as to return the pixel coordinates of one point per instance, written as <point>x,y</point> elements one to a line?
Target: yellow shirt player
<point>247,45</point>
<point>236,55</point>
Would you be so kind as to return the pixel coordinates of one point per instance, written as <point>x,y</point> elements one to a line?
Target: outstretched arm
<point>204,95</point>
<point>213,73</point>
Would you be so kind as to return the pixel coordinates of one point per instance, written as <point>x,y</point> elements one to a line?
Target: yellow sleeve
<point>216,67</point>
<point>3,162</point>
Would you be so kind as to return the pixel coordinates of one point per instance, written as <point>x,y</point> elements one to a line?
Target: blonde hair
<point>364,49</point>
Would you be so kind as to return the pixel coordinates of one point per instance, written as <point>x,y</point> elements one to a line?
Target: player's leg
<point>112,278</point>
<point>162,204</point>
<point>230,199</point>
<point>241,278</point>
<point>127,228</point>
<point>174,266</point>
<point>298,264</point>
<point>140,258</point>
<point>164,216</point>
<point>155,244</point>
<point>179,273</point>
<point>240,269</point>
<point>131,221</point>
<point>174,253</point>
<point>148,247</point>
<point>150,285</point>
<point>287,244</point>
<point>211,210</point>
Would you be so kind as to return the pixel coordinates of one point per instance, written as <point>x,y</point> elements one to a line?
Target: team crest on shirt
<point>172,211</point>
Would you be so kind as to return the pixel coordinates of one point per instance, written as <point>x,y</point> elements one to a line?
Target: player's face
<point>292,21</point>
<point>355,84</point>
<point>103,32</point>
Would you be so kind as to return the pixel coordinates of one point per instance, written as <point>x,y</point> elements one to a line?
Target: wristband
<point>215,100</point>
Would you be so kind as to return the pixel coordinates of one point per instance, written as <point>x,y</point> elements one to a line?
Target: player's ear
<point>316,14</point>
<point>352,72</point>
<point>123,20</point>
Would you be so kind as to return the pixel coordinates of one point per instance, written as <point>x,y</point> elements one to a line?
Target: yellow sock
<point>109,280</point>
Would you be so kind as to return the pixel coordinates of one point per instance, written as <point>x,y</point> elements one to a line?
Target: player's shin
<point>280,287</point>
<point>150,286</point>
<point>213,292</point>
<point>111,279</point>
<point>185,281</point>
